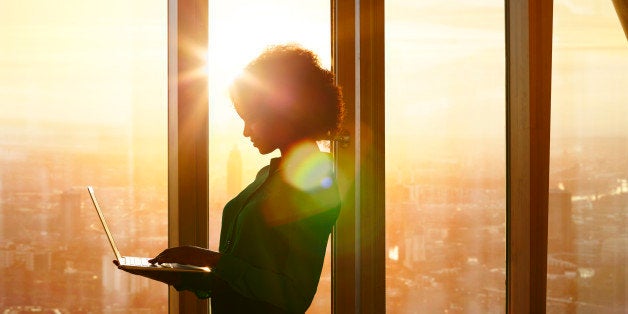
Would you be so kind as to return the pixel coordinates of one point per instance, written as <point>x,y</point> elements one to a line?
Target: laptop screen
<point>92,195</point>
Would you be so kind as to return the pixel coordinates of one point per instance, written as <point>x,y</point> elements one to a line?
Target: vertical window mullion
<point>359,251</point>
<point>529,55</point>
<point>188,209</point>
<point>344,237</point>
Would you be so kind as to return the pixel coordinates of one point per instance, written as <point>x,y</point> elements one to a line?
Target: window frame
<point>528,107</point>
<point>188,137</point>
<point>358,250</point>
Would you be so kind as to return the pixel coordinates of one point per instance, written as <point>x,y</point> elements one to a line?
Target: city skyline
<point>468,213</point>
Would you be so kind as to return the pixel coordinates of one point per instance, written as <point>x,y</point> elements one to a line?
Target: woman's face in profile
<point>265,129</point>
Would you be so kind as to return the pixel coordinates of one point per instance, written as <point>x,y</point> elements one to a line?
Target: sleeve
<point>293,286</point>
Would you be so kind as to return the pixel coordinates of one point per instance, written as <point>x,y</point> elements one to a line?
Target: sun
<point>238,32</point>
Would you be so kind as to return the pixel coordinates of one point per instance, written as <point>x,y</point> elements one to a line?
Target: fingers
<point>160,258</point>
<point>184,255</point>
<point>170,255</point>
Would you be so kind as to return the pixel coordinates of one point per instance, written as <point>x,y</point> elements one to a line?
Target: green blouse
<point>274,233</point>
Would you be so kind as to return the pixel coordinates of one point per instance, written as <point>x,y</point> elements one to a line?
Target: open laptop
<point>131,263</point>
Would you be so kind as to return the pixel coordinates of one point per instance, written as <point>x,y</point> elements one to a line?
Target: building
<point>560,231</point>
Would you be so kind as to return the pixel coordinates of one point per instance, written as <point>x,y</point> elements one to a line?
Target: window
<point>588,196</point>
<point>359,270</point>
<point>83,101</point>
<point>445,157</point>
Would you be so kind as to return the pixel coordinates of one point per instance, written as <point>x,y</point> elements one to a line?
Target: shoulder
<point>301,192</point>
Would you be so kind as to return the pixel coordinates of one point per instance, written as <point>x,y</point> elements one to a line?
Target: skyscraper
<point>70,214</point>
<point>560,234</point>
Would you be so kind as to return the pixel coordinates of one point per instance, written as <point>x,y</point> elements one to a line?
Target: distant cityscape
<point>445,237</point>
<point>447,224</point>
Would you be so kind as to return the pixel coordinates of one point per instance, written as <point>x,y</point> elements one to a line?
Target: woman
<point>275,232</point>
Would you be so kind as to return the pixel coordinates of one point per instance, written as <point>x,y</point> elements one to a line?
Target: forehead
<point>253,109</point>
<point>254,97</point>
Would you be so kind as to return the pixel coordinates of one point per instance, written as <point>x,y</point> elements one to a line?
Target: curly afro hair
<point>289,82</point>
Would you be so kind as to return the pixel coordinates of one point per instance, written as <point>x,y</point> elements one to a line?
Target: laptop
<point>141,264</point>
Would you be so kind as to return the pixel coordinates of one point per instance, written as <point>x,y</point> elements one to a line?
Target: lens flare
<point>308,169</point>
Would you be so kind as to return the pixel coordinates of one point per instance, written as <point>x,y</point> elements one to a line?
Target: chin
<point>264,150</point>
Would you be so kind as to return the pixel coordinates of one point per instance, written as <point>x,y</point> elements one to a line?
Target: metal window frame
<point>358,259</point>
<point>528,101</point>
<point>188,149</point>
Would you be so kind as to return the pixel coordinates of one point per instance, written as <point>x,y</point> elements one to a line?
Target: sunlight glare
<point>239,33</point>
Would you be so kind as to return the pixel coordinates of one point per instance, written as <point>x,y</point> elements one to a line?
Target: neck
<point>306,146</point>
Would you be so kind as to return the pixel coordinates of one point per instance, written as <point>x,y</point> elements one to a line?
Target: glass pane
<point>588,197</point>
<point>239,30</point>
<point>445,157</point>
<point>83,101</point>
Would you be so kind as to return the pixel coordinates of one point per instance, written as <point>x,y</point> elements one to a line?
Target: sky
<point>85,61</point>
<point>71,61</point>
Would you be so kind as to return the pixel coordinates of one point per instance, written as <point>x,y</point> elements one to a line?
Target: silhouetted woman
<point>274,233</point>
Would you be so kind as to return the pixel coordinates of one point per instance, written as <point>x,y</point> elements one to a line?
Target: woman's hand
<point>190,255</point>
<point>169,278</point>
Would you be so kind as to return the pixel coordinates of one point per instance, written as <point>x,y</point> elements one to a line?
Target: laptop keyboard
<point>135,261</point>
<point>143,262</point>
